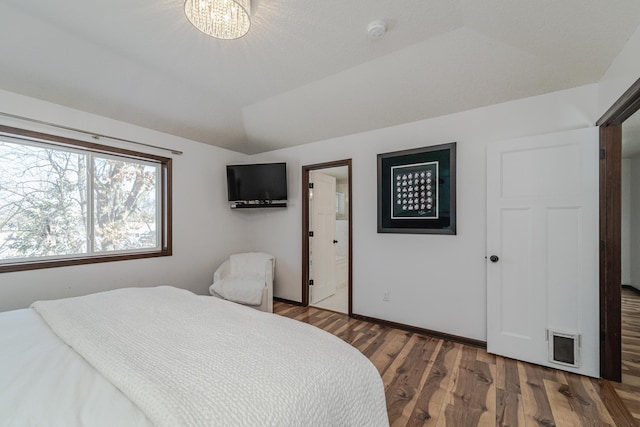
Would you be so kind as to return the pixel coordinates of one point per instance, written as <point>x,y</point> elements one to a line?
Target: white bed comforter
<point>186,360</point>
<point>44,383</point>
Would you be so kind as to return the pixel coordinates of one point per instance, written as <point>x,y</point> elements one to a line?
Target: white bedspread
<point>186,360</point>
<point>45,383</point>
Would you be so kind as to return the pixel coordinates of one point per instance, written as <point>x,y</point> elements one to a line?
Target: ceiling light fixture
<point>222,19</point>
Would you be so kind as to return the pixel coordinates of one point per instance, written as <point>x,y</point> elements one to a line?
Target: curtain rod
<point>93,135</point>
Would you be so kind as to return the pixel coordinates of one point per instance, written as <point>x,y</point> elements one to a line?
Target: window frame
<point>164,204</point>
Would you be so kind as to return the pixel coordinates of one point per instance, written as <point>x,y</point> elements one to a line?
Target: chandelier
<point>222,19</point>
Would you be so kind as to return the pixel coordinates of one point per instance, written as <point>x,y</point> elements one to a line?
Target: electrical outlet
<point>385,296</point>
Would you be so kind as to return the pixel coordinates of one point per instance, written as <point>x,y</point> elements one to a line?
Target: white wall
<point>634,222</point>
<point>434,282</point>
<point>625,231</point>
<point>622,73</point>
<point>342,236</point>
<point>205,230</point>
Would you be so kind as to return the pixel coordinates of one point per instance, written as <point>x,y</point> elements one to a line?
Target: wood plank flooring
<point>432,382</point>
<point>629,390</point>
<point>630,337</point>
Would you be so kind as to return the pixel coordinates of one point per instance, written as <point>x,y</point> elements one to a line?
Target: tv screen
<point>264,182</point>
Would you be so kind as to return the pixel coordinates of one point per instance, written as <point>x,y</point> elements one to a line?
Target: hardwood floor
<point>432,382</point>
<point>630,337</point>
<point>629,390</point>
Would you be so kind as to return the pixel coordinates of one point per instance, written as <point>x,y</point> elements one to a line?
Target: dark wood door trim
<point>610,233</point>
<point>610,269</point>
<point>305,227</point>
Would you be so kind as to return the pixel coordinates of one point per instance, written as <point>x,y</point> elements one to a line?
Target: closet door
<point>542,250</point>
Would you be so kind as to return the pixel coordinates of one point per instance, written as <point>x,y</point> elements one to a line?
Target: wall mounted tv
<point>261,185</point>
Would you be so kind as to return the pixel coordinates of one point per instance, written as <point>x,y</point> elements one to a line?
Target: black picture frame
<point>417,190</point>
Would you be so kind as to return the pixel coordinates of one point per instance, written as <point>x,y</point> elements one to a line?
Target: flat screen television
<point>257,185</point>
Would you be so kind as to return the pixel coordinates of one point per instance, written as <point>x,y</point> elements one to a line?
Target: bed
<point>164,356</point>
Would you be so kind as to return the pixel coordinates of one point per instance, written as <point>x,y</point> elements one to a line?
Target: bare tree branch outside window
<point>46,210</point>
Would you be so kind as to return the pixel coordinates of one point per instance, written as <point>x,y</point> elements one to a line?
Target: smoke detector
<point>376,30</point>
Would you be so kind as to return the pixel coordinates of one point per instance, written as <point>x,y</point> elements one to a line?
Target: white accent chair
<point>247,279</point>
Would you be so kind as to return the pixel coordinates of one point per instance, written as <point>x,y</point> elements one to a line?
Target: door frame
<point>610,233</point>
<point>305,227</point>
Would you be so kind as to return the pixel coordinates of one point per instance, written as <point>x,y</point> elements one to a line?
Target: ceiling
<point>306,70</point>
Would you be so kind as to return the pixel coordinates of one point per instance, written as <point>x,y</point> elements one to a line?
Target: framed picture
<point>417,190</point>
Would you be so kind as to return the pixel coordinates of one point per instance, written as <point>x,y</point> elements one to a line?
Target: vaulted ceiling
<point>306,71</point>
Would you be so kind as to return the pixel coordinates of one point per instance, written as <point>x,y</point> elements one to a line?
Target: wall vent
<point>564,348</point>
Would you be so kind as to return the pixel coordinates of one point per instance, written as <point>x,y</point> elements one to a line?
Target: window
<point>66,202</point>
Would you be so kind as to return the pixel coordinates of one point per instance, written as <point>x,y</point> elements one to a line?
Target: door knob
<point>494,258</point>
<point>335,241</point>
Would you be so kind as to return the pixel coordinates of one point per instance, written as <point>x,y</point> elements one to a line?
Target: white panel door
<point>542,246</point>
<point>322,257</point>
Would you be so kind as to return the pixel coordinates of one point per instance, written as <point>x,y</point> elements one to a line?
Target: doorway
<point>327,243</point>
<point>611,230</point>
<point>630,250</point>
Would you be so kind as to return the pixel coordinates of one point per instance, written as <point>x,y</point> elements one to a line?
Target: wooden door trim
<point>610,270</point>
<point>305,227</point>
<point>610,234</point>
